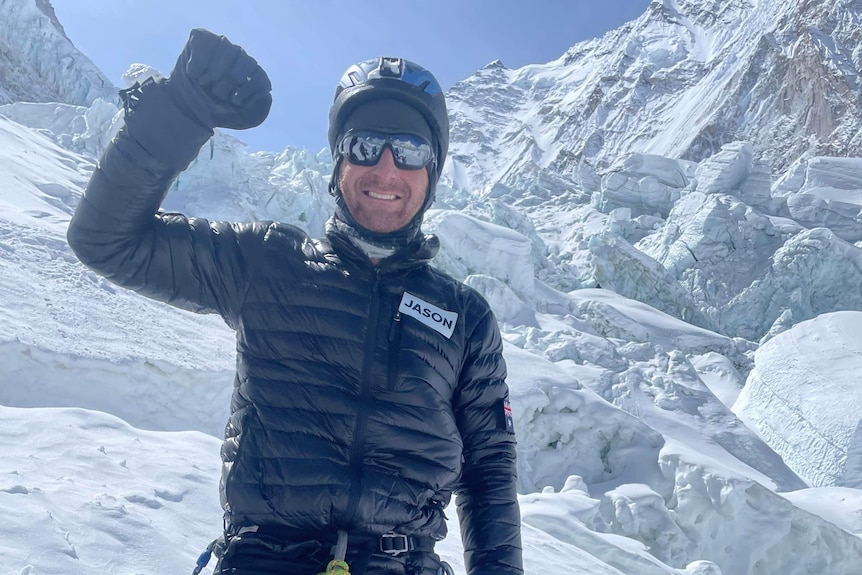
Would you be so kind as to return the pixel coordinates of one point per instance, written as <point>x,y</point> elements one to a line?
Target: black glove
<point>218,84</point>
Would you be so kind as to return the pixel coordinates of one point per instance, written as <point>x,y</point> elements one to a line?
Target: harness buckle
<point>394,543</point>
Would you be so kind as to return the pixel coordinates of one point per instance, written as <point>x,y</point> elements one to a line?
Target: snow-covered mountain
<point>38,61</point>
<point>680,298</point>
<point>681,81</point>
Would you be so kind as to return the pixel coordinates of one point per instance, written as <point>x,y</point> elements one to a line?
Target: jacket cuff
<point>160,127</point>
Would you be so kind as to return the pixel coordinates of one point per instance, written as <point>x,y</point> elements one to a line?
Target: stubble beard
<point>378,221</point>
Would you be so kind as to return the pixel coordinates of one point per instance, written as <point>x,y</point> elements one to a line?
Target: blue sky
<point>306,45</point>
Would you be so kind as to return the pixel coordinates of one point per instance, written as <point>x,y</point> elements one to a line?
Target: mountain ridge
<point>681,81</point>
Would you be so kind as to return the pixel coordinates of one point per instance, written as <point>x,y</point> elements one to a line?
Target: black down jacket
<point>364,395</point>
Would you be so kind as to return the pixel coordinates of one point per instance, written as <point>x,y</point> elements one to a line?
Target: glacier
<point>680,305</point>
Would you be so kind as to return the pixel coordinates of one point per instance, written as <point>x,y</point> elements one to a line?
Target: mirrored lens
<point>410,152</point>
<point>365,150</point>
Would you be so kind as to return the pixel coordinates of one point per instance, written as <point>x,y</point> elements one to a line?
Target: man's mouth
<point>379,196</point>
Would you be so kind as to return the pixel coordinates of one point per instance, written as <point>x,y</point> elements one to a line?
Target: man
<point>369,386</point>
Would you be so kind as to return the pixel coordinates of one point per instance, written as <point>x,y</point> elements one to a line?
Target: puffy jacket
<point>365,396</point>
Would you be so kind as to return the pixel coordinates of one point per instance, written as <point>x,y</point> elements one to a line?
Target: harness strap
<point>391,544</point>
<point>395,543</point>
<point>340,549</point>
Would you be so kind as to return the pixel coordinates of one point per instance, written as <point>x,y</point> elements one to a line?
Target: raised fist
<point>217,83</point>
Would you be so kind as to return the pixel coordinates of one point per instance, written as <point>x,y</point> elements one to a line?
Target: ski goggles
<point>364,148</point>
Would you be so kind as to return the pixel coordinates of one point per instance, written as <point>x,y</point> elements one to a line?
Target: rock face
<point>38,63</point>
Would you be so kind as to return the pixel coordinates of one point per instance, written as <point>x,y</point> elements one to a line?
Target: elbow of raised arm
<point>112,217</point>
<point>80,240</point>
<point>97,241</point>
<point>82,235</point>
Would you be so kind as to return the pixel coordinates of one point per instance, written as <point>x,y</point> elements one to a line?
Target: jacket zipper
<point>364,400</point>
<point>394,351</point>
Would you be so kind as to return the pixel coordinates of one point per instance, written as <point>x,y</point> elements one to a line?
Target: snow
<point>829,196</point>
<point>474,247</point>
<point>84,492</point>
<point>683,338</point>
<point>619,472</point>
<point>808,377</point>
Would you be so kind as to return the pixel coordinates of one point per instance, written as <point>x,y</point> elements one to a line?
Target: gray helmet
<point>393,78</point>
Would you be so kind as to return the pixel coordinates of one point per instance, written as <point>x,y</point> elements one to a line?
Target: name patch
<point>438,319</point>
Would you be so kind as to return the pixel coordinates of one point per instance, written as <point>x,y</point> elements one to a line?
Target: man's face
<point>383,198</point>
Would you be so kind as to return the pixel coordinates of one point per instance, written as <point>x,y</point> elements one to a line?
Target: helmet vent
<point>391,67</point>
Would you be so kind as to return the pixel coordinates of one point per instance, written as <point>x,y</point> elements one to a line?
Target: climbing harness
<point>392,544</point>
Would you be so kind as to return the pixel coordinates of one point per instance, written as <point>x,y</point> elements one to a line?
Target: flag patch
<point>507,416</point>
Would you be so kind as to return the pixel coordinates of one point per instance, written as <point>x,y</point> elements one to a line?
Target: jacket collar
<point>417,253</point>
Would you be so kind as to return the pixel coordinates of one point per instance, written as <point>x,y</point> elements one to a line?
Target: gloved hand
<point>219,84</point>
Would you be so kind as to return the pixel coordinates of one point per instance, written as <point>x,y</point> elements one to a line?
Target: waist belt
<point>393,544</point>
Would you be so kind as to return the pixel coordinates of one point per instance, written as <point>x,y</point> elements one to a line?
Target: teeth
<point>377,196</point>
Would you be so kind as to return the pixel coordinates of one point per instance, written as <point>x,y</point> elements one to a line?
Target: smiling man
<point>370,387</point>
<point>389,194</point>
